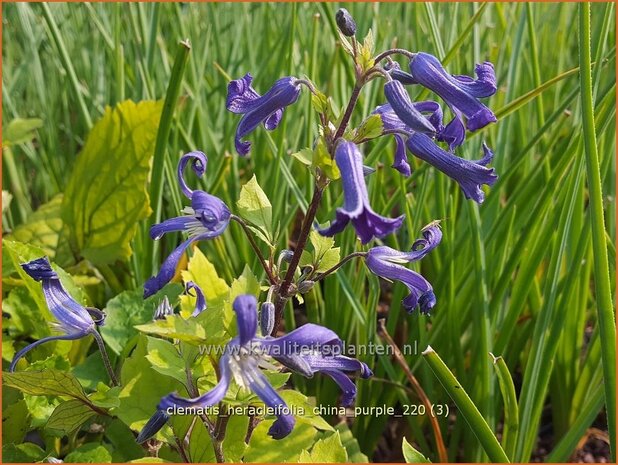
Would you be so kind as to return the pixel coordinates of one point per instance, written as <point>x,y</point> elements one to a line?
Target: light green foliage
<point>203,273</point>
<point>327,450</point>
<point>21,130</point>
<point>324,255</point>
<point>411,455</point>
<point>69,416</point>
<point>89,453</point>
<point>370,128</point>
<point>106,195</point>
<point>254,206</point>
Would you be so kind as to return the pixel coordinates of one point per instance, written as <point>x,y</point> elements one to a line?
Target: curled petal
<point>468,174</point>
<point>308,337</point>
<point>200,300</point>
<point>154,425</point>
<point>245,307</point>
<point>240,95</point>
<point>28,348</point>
<point>267,108</point>
<point>459,92</point>
<point>401,104</point>
<point>179,223</point>
<point>339,363</point>
<point>198,161</point>
<point>401,159</point>
<point>348,388</point>
<point>211,211</point>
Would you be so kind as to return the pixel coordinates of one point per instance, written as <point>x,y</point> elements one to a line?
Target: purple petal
<point>154,425</point>
<point>459,92</point>
<point>356,208</point>
<point>468,174</point>
<point>28,348</point>
<point>307,337</point>
<point>212,397</point>
<point>283,93</point>
<point>397,74</point>
<point>273,120</point>
<point>267,318</point>
<point>245,307</point>
<point>455,131</point>
<point>348,388</point>
<point>484,86</point>
<point>212,212</point>
<point>240,95</point>
<point>401,159</point>
<point>72,316</point>
<point>401,104</point>
<point>168,268</point>
<point>179,223</point>
<point>199,161</point>
<point>200,301</point>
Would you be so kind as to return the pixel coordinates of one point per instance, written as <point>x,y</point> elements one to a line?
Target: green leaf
<point>129,309</point>
<point>370,128</point>
<point>105,397</point>
<point>42,228</point>
<point>200,444</point>
<point>324,255</point>
<point>328,450</point>
<point>89,453</point>
<point>305,156</point>
<point>254,206</point>
<point>69,416</point>
<point>365,55</point>
<point>304,409</point>
<point>22,453</point>
<point>203,273</point>
<point>15,422</point>
<point>142,388</point>
<point>50,382</point>
<point>264,449</point>
<point>176,327</point>
<point>323,160</point>
<point>411,455</point>
<point>21,130</point>
<point>165,359</point>
<point>106,194</point>
<point>234,445</point>
<point>351,444</point>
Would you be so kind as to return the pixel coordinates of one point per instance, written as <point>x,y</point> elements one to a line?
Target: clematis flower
<point>356,208</point>
<point>200,300</point>
<point>461,93</point>
<point>268,109</point>
<point>308,349</point>
<point>153,426</point>
<point>387,263</point>
<point>398,97</point>
<point>206,218</point>
<point>72,318</point>
<point>470,175</point>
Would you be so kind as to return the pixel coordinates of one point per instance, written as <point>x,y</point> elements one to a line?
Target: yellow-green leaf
<point>69,416</point>
<point>46,383</point>
<point>254,206</point>
<point>106,195</point>
<point>21,130</point>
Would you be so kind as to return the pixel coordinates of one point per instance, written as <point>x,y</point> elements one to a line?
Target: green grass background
<point>513,276</point>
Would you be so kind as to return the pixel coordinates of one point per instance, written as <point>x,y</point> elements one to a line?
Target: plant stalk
<point>105,357</point>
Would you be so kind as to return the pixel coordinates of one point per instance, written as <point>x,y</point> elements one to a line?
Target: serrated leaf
<point>254,206</point>
<point>411,455</point>
<point>264,449</point>
<point>69,416</point>
<point>42,228</point>
<point>21,130</point>
<point>165,359</point>
<point>370,128</point>
<point>89,453</point>
<point>128,310</point>
<point>176,327</point>
<point>50,382</point>
<point>327,450</point>
<point>106,195</point>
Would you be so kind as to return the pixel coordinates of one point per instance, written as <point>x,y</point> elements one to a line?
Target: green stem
<point>467,408</point>
<point>66,63</point>
<point>165,124</point>
<point>607,325</point>
<point>511,409</point>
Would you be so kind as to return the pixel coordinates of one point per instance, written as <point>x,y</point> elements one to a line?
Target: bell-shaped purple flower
<point>400,102</point>
<point>461,93</point>
<point>304,349</point>
<point>356,208</point>
<point>470,175</point>
<point>268,109</point>
<point>206,218</point>
<point>72,318</point>
<point>387,263</point>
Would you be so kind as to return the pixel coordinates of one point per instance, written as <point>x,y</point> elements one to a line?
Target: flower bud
<point>345,22</point>
<point>305,286</point>
<point>267,318</point>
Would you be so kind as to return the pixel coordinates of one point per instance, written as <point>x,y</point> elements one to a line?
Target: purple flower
<point>387,263</point>
<point>243,99</point>
<point>461,93</point>
<point>356,208</point>
<point>469,174</point>
<point>401,104</point>
<point>200,300</point>
<point>72,318</point>
<point>308,349</point>
<point>153,426</point>
<point>206,218</point>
